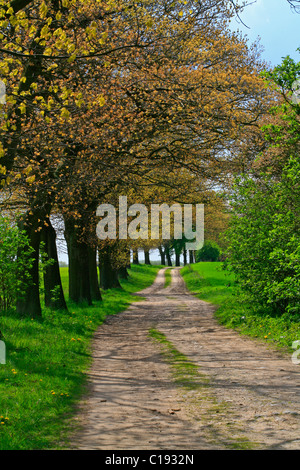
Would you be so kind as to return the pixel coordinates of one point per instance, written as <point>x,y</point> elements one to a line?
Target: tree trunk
<point>108,275</point>
<point>177,259</point>
<point>28,301</point>
<point>135,257</point>
<point>79,271</point>
<point>184,257</point>
<point>168,256</point>
<point>94,283</point>
<point>191,256</point>
<point>52,279</point>
<point>147,256</point>
<point>123,273</point>
<point>162,255</point>
<point>128,264</point>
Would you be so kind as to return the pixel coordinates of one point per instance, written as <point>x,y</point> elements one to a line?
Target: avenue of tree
<point>155,100</point>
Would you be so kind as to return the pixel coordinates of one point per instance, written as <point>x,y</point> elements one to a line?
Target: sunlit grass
<point>209,281</point>
<point>186,374</point>
<point>168,278</point>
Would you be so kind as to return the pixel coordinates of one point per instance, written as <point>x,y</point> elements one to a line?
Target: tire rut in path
<point>134,404</point>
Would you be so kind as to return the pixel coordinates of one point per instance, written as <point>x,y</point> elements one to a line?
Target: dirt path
<point>249,396</point>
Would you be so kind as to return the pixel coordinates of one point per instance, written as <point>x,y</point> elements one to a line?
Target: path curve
<point>252,398</point>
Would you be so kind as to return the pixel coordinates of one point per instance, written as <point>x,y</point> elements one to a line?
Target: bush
<point>209,252</point>
<point>14,255</point>
<point>264,239</point>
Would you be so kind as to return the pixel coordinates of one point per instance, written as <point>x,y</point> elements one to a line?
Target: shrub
<point>14,254</point>
<point>264,239</point>
<point>209,252</point>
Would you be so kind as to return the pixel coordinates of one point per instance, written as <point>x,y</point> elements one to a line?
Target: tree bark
<point>123,273</point>
<point>28,301</point>
<point>168,256</point>
<point>79,270</point>
<point>128,265</point>
<point>147,257</point>
<point>18,5</point>
<point>108,275</point>
<point>52,279</point>
<point>94,283</point>
<point>135,257</point>
<point>162,255</point>
<point>177,259</point>
<point>191,256</point>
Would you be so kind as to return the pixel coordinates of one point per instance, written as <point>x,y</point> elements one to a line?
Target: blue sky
<point>276,24</point>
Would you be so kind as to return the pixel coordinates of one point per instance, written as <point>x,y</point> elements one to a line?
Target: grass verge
<point>46,365</point>
<point>168,278</point>
<point>209,282</point>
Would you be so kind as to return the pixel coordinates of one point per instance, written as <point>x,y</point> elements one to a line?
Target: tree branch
<point>18,5</point>
<point>295,5</point>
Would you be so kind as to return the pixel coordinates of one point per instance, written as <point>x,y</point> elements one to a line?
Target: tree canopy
<point>106,97</point>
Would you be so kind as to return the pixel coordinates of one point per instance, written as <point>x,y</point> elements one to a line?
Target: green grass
<point>235,310</point>
<point>168,277</point>
<point>46,365</point>
<point>185,373</point>
<point>209,281</point>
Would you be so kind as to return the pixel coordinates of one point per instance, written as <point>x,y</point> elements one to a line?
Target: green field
<point>209,281</point>
<point>46,364</point>
<point>235,310</point>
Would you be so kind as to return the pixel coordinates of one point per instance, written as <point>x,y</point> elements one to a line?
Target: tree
<point>12,241</point>
<point>281,125</point>
<point>264,239</point>
<point>108,265</point>
<point>178,92</point>
<point>209,252</point>
<point>54,295</point>
<point>295,5</point>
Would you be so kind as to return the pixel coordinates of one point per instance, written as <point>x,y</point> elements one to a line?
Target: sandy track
<point>252,400</point>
